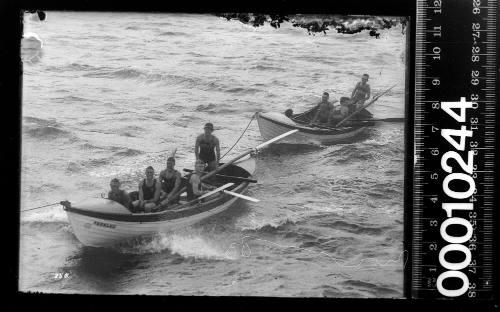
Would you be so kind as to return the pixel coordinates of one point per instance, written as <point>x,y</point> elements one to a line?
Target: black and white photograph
<point>217,154</point>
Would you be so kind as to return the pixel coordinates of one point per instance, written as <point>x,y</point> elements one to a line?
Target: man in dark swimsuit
<point>170,182</point>
<point>361,92</point>
<point>149,192</point>
<point>207,148</point>
<point>119,196</point>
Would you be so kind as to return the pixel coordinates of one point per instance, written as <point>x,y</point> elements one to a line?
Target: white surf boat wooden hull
<point>103,223</point>
<point>273,124</point>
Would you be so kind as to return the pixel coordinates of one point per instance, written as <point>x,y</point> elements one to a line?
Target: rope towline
<point>58,203</point>
<point>251,119</point>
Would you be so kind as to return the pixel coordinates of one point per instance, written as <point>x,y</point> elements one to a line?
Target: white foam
<point>185,245</point>
<point>49,214</point>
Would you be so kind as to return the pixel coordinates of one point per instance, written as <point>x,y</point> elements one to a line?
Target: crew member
<point>361,92</point>
<point>207,148</point>
<point>119,196</point>
<point>343,111</point>
<point>170,182</point>
<point>324,110</point>
<point>195,187</point>
<point>149,192</point>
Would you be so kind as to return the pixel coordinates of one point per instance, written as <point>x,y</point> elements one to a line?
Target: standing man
<point>207,148</point>
<point>361,92</point>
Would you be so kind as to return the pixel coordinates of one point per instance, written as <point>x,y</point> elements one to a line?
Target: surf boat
<point>100,222</point>
<point>273,123</point>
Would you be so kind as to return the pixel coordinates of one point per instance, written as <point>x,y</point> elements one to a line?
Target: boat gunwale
<point>192,208</point>
<point>174,212</point>
<point>317,131</point>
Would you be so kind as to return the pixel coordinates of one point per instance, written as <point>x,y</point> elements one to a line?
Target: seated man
<point>195,187</point>
<point>119,196</point>
<point>323,110</point>
<point>343,111</point>
<point>149,192</point>
<point>170,182</point>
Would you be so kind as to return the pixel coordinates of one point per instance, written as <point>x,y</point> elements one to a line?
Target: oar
<point>227,176</point>
<point>255,200</point>
<point>279,137</point>
<point>225,186</point>
<point>252,150</point>
<point>393,119</point>
<point>364,106</point>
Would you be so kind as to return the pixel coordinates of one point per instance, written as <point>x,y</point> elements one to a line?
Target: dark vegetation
<point>321,23</point>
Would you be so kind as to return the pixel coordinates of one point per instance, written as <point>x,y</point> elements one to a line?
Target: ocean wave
<point>130,131</point>
<point>46,225</point>
<point>98,162</point>
<point>372,289</point>
<point>52,216</point>
<point>185,120</point>
<point>173,33</point>
<point>349,153</point>
<point>185,245</point>
<point>269,226</point>
<point>332,245</point>
<point>79,166</point>
<point>355,228</point>
<point>217,108</point>
<point>70,98</point>
<point>241,90</point>
<point>318,59</point>
<point>391,189</point>
<point>46,187</point>
<point>46,132</point>
<point>290,148</point>
<point>88,146</point>
<point>196,54</point>
<point>267,68</point>
<point>204,108</point>
<point>128,152</point>
<point>71,67</point>
<point>208,84</point>
<point>73,167</point>
<point>40,121</point>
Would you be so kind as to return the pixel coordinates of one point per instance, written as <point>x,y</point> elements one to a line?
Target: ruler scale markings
<point>430,68</point>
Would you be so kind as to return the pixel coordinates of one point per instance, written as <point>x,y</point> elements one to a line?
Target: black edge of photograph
<point>180,152</point>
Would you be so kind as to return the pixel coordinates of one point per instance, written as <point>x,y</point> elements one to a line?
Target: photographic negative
<point>155,160</point>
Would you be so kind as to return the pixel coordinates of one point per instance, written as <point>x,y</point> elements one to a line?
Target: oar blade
<point>255,200</point>
<point>279,137</point>
<point>225,186</point>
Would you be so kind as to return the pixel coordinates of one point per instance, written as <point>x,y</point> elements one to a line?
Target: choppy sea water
<point>113,93</point>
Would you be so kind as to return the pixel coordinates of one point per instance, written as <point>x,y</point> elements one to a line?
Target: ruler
<point>454,144</point>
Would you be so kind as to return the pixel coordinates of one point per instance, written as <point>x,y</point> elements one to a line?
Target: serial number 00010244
<point>454,124</point>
